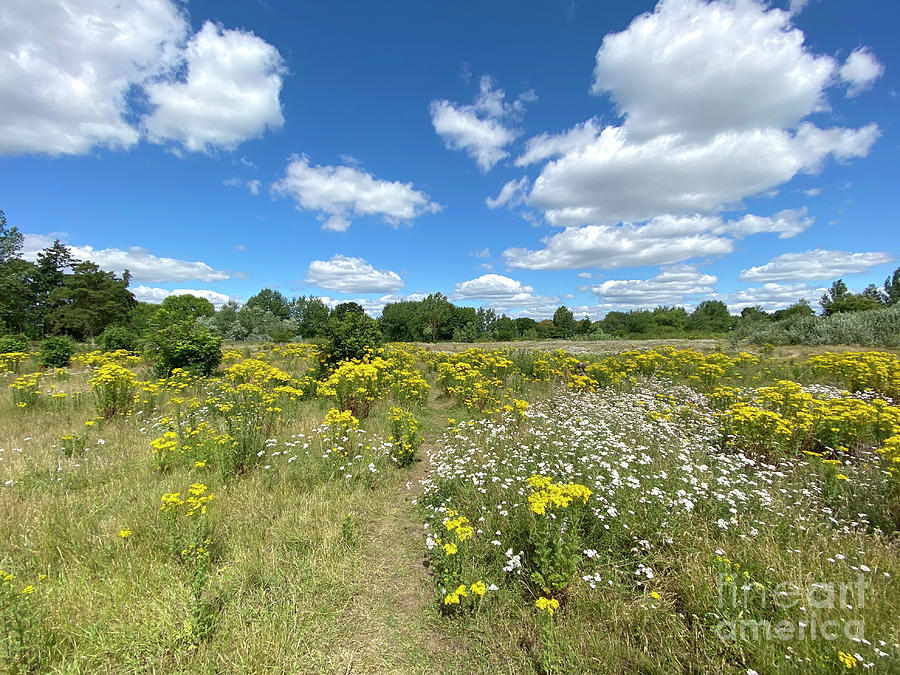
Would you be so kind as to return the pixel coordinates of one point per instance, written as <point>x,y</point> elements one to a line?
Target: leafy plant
<point>117,337</point>
<point>349,338</point>
<point>187,346</point>
<point>13,343</point>
<point>56,352</point>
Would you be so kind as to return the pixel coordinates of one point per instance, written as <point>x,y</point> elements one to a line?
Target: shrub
<point>467,333</point>
<point>117,337</point>
<point>13,343</point>
<point>56,352</point>
<point>348,338</point>
<point>187,346</point>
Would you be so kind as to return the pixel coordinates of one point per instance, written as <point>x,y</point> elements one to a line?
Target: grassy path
<point>390,604</point>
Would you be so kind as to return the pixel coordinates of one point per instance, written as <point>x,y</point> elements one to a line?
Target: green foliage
<point>271,301</point>
<point>22,634</point>
<point>506,329</point>
<point>88,301</point>
<point>468,333</point>
<point>892,288</point>
<point>346,308</point>
<point>311,316</point>
<point>564,322</point>
<point>184,345</point>
<point>56,351</point>
<point>13,343</point>
<point>181,308</point>
<point>710,316</point>
<point>250,322</point>
<point>436,312</point>
<point>348,338</point>
<point>400,321</point>
<point>17,295</point>
<point>11,240</point>
<point>838,299</point>
<point>117,337</point>
<point>878,327</point>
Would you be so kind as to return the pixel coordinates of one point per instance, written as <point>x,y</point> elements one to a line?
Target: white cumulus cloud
<point>816,264</point>
<point>143,265</point>
<point>66,70</point>
<point>613,179</point>
<point>342,192</point>
<point>230,93</point>
<point>480,128</point>
<point>351,275</point>
<point>72,72</point>
<point>713,98</point>
<point>157,295</point>
<point>698,67</point>
<point>860,70</point>
<point>493,287</point>
<point>662,240</point>
<point>675,285</point>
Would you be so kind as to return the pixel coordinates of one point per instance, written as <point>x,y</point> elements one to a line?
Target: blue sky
<point>520,155</point>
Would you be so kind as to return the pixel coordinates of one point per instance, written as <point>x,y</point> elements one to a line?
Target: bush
<point>117,337</point>
<point>874,328</point>
<point>56,352</point>
<point>184,345</point>
<point>349,338</point>
<point>467,333</point>
<point>13,343</point>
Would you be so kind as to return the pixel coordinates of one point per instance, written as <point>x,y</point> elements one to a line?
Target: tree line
<point>60,295</point>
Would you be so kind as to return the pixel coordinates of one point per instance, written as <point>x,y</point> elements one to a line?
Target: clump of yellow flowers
<point>341,425</point>
<point>548,494</point>
<point>196,502</point>
<point>113,387</point>
<point>404,435</point>
<point>548,605</point>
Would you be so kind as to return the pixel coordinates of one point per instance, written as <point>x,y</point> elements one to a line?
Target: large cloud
<point>613,179</point>
<point>230,93</point>
<point>699,68</point>
<point>71,72</point>
<point>676,285</point>
<point>769,296</point>
<point>493,287</point>
<point>611,246</point>
<point>339,192</point>
<point>480,128</point>
<point>351,275</point>
<point>816,264</point>
<point>714,99</point>
<point>143,265</point>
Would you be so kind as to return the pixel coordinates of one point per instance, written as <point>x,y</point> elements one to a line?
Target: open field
<point>453,510</point>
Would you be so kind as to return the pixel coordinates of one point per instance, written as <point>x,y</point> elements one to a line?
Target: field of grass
<point>489,510</point>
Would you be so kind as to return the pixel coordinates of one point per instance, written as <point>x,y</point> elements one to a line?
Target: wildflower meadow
<point>480,510</point>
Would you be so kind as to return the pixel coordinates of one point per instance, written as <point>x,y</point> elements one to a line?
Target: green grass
<point>313,572</point>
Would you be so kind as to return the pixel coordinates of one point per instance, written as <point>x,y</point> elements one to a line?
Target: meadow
<point>503,508</point>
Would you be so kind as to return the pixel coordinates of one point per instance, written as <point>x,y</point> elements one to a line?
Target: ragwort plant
<point>22,631</point>
<point>404,436</point>
<point>113,387</point>
<point>191,542</point>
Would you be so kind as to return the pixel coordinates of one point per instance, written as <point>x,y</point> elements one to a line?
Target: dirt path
<point>391,608</point>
